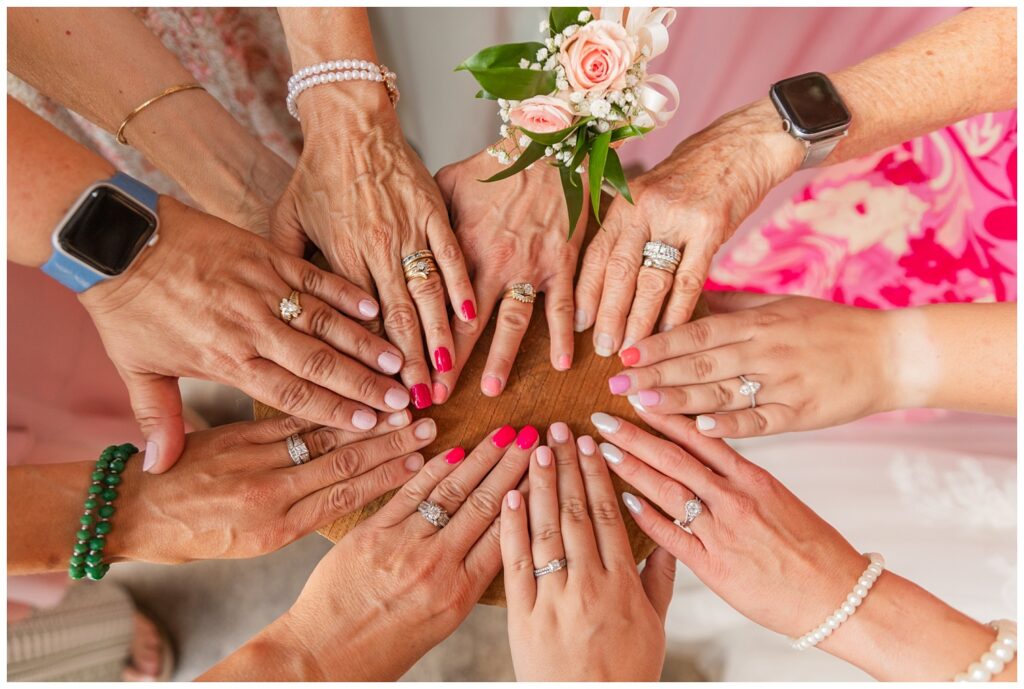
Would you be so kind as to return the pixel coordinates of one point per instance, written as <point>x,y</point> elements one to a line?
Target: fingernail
<point>665,327</point>
<point>618,384</point>
<point>396,398</point>
<point>637,404</point>
<point>527,437</point>
<point>587,445</point>
<point>649,397</point>
<point>504,436</point>
<point>559,431</point>
<point>632,504</point>
<point>603,345</point>
<point>440,392</point>
<point>514,499</point>
<point>420,395</point>
<point>579,320</point>
<point>705,423</point>
<point>368,309</point>
<point>544,456</point>
<point>491,385</point>
<point>564,362</point>
<point>398,419</point>
<point>364,420</point>
<point>414,462</point>
<point>389,363</point>
<point>425,430</point>
<point>442,359</point>
<point>455,455</point>
<point>152,454</point>
<point>629,356</point>
<point>469,310</point>
<point>611,453</point>
<point>606,423</point>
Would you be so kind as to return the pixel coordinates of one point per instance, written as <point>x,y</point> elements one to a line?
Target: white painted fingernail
<point>425,430</point>
<point>632,504</point>
<point>364,420</point>
<point>635,401</point>
<point>398,419</point>
<point>705,423</point>
<point>611,453</point>
<point>368,309</point>
<point>603,345</point>
<point>389,363</point>
<point>397,398</point>
<point>579,320</point>
<point>606,423</point>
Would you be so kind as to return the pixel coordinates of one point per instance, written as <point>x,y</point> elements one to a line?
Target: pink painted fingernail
<point>364,420</point>
<point>618,384</point>
<point>587,445</point>
<point>504,436</point>
<point>629,356</point>
<point>564,362</point>
<point>396,398</point>
<point>527,437</point>
<point>649,397</point>
<point>455,455</point>
<point>440,393</point>
<point>442,360</point>
<point>544,456</point>
<point>559,431</point>
<point>420,395</point>
<point>468,310</point>
<point>152,453</point>
<point>491,385</point>
<point>414,462</point>
<point>514,499</point>
<point>389,363</point>
<point>425,430</point>
<point>368,309</point>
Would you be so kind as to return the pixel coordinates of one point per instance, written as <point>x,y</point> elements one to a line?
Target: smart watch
<point>813,113</point>
<point>103,233</point>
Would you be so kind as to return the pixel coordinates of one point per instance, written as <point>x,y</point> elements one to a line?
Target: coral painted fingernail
<point>152,452</point>
<point>389,363</point>
<point>649,397</point>
<point>564,362</point>
<point>364,420</point>
<point>491,385</point>
<point>420,395</point>
<point>455,455</point>
<point>469,310</point>
<point>544,456</point>
<point>587,445</point>
<point>618,384</point>
<point>606,423</point>
<point>414,462</point>
<point>559,431</point>
<point>514,499</point>
<point>632,503</point>
<point>603,345</point>
<point>630,356</point>
<point>368,309</point>
<point>527,437</point>
<point>425,429</point>
<point>504,436</point>
<point>396,398</point>
<point>440,393</point>
<point>442,359</point>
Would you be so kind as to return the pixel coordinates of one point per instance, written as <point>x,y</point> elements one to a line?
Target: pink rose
<point>597,56</point>
<point>541,114</point>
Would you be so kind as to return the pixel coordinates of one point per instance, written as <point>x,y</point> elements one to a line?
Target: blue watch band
<point>73,273</point>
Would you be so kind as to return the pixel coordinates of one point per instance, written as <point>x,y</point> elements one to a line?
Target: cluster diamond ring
<point>750,388</point>
<point>523,292</point>
<point>661,256</point>
<point>433,513</point>
<point>290,308</point>
<point>550,567</point>
<point>419,265</point>
<point>297,449</point>
<point>692,509</point>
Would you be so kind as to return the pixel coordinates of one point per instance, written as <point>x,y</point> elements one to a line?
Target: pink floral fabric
<point>929,221</point>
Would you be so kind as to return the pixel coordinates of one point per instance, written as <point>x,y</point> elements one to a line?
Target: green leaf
<point>615,176</point>
<point>561,17</point>
<point>504,55</point>
<point>497,70</point>
<point>581,150</point>
<point>533,153</point>
<point>598,158</point>
<point>555,137</point>
<point>572,189</point>
<point>483,94</point>
<point>629,131</point>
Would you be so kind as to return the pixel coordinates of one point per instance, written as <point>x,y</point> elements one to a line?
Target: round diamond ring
<point>692,509</point>
<point>433,513</point>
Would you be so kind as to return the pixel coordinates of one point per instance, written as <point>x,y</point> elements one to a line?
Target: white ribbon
<point>654,102</point>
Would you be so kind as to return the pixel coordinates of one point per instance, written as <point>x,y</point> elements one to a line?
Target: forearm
<point>276,654</point>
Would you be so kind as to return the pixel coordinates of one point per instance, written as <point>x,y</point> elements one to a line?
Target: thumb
<point>658,578</point>
<point>726,301</point>
<point>156,401</point>
<point>286,231</point>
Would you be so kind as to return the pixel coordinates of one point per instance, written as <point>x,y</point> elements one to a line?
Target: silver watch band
<point>817,151</point>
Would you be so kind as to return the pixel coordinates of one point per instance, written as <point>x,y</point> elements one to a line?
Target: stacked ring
<point>661,256</point>
<point>419,265</point>
<point>433,513</point>
<point>553,566</point>
<point>523,292</point>
<point>297,449</point>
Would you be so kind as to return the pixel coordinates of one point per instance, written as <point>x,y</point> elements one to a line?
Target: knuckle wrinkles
<point>295,394</point>
<point>688,282</point>
<point>342,499</point>
<point>523,563</point>
<point>703,366</point>
<point>450,253</point>
<point>573,509</point>
<point>451,491</point>
<point>365,385</point>
<point>319,365</point>
<point>400,317</point>
<point>312,279</point>
<point>514,319</point>
<point>700,333</point>
<point>346,462</point>
<point>430,289</point>
<point>320,323</point>
<point>484,502</point>
<point>605,511</point>
<point>547,533</point>
<point>671,493</point>
<point>758,420</point>
<point>650,283</point>
<point>619,267</point>
<point>723,395</point>
<point>322,443</point>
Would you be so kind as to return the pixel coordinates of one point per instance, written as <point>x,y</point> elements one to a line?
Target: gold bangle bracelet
<point>154,99</point>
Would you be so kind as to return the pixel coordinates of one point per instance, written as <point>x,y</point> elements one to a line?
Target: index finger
<point>696,336</point>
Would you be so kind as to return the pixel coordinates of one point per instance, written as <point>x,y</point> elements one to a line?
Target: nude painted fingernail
<point>559,431</point>
<point>469,310</point>
<point>514,499</point>
<point>425,430</point>
<point>396,398</point>
<point>398,419</point>
<point>455,455</point>
<point>504,436</point>
<point>587,445</point>
<point>705,423</point>
<point>440,393</point>
<point>650,397</point>
<point>368,309</point>
<point>564,362</point>
<point>606,423</point>
<point>635,401</point>
<point>544,456</point>
<point>420,395</point>
<point>579,320</point>
<point>527,437</point>
<point>152,454</point>
<point>632,504</point>
<point>611,453</point>
<point>629,356</point>
<point>364,420</point>
<point>603,345</point>
<point>389,363</point>
<point>491,385</point>
<point>414,462</point>
<point>442,360</point>
<point>619,384</point>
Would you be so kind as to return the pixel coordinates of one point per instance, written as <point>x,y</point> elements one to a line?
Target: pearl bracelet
<point>340,70</point>
<point>999,654</point>
<point>846,610</point>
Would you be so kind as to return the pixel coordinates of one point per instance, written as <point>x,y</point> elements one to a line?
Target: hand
<point>203,302</point>
<point>364,198</point>
<point>693,200</point>
<point>597,620</point>
<point>511,231</point>
<point>236,493</point>
<point>819,364</point>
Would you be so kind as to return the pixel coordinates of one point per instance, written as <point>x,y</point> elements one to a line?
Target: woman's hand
<point>363,197</point>
<point>597,619</point>
<point>511,231</point>
<point>236,493</point>
<point>693,201</point>
<point>204,302</point>
<point>818,364</point>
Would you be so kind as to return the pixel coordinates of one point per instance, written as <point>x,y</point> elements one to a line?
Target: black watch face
<point>108,230</point>
<point>812,103</point>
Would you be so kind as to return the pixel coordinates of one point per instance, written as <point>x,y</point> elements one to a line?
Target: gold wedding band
<point>523,292</point>
<point>419,265</point>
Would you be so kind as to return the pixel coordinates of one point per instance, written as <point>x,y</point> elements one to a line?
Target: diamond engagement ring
<point>419,265</point>
<point>692,509</point>
<point>750,388</point>
<point>522,291</point>
<point>433,513</point>
<point>290,308</point>
<point>550,567</point>
<point>661,256</point>
<point>297,449</point>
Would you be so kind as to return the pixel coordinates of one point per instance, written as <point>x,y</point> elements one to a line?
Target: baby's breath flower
<point>548,151</point>
<point>576,96</point>
<point>535,66</point>
<point>561,84</point>
<point>550,43</point>
<point>646,51</point>
<point>503,157</point>
<point>542,54</point>
<point>599,107</point>
<point>570,30</point>
<point>579,170</point>
<point>502,103</point>
<point>602,126</point>
<point>503,113</point>
<point>571,141</point>
<point>544,26</point>
<point>558,37</point>
<point>503,130</point>
<point>631,80</point>
<point>524,63</point>
<point>524,140</point>
<point>584,16</point>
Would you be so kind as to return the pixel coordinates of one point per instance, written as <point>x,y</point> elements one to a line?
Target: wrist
<point>760,122</point>
<point>346,108</point>
<point>914,368</point>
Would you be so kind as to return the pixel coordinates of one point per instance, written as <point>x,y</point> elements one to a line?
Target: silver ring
<point>550,567</point>
<point>661,256</point>
<point>750,388</point>
<point>297,449</point>
<point>433,513</point>
<point>693,508</point>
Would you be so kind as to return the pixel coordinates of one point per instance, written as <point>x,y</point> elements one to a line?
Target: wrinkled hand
<point>693,200</point>
<point>511,231</point>
<point>596,620</point>
<point>204,302</point>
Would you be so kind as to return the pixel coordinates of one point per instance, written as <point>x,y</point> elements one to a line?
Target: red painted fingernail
<point>442,359</point>
<point>527,437</point>
<point>630,356</point>
<point>420,395</point>
<point>468,310</point>
<point>504,436</point>
<point>455,455</point>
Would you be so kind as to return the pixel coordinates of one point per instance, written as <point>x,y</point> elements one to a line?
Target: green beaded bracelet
<point>94,524</point>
